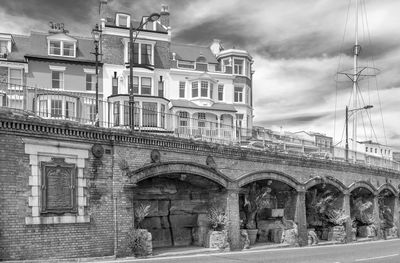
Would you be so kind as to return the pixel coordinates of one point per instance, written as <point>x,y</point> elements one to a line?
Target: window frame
<point>117,20</point>
<point>60,80</point>
<point>240,94</point>
<point>182,89</point>
<point>240,69</point>
<point>220,96</point>
<point>138,56</point>
<point>49,41</point>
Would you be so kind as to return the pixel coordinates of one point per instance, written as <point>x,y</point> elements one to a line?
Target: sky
<point>297,46</point>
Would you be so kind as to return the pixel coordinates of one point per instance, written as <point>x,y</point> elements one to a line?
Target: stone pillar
<point>396,214</point>
<point>219,126</point>
<point>376,217</point>
<point>346,208</point>
<point>232,210</point>
<point>300,217</point>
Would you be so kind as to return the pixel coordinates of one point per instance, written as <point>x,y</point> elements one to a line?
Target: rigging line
<point>362,115</point>
<point>370,121</point>
<point>376,79</point>
<point>337,70</point>
<point>344,123</point>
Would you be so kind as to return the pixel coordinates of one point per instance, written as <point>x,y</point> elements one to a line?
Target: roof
<point>192,52</point>
<point>35,45</point>
<point>190,105</point>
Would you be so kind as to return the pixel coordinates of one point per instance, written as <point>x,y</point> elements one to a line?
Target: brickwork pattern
<point>110,196</point>
<point>21,241</point>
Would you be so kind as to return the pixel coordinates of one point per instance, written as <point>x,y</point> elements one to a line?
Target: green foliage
<point>217,218</point>
<point>141,210</point>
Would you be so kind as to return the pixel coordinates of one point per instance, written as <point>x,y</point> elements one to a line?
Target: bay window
<point>149,111</point>
<point>56,109</point>
<point>204,89</point>
<point>238,66</point>
<point>183,119</point>
<point>195,89</point>
<point>238,96</point>
<point>182,87</point>
<point>220,92</point>
<point>145,84</point>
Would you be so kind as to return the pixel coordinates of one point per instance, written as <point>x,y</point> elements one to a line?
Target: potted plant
<point>363,217</point>
<point>217,236</point>
<point>257,198</point>
<point>140,240</point>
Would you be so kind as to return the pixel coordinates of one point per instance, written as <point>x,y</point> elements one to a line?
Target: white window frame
<point>140,85</point>
<point>61,79</point>
<point>234,66</point>
<point>63,99</point>
<point>139,42</point>
<point>182,88</point>
<point>242,94</point>
<point>61,48</point>
<point>220,86</point>
<point>128,19</point>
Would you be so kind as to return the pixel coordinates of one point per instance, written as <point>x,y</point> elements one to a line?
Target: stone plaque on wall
<point>58,187</point>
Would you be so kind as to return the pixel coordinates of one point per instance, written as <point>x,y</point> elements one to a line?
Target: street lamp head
<point>153,17</point>
<point>96,32</point>
<point>368,107</point>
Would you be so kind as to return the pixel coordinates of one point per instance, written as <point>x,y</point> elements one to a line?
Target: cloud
<point>298,46</point>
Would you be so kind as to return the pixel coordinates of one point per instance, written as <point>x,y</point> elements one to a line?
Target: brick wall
<point>21,241</point>
<point>106,181</point>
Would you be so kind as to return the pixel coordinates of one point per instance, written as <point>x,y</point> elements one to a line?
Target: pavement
<point>381,251</point>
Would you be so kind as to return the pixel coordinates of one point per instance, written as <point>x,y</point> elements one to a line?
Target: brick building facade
<point>108,167</point>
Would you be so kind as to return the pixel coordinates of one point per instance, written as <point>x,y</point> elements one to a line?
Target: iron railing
<point>79,107</point>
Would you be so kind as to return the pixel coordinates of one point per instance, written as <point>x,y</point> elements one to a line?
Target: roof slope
<point>192,52</point>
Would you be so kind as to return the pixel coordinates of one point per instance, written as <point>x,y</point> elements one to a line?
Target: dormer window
<point>6,41</point>
<point>238,66</point>
<point>142,52</point>
<point>123,20</point>
<point>61,45</point>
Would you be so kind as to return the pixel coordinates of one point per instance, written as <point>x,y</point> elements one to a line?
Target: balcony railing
<point>79,107</point>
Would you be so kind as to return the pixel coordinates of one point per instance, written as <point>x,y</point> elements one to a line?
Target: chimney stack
<point>164,15</point>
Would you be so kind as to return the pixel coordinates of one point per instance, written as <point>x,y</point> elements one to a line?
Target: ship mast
<point>356,51</point>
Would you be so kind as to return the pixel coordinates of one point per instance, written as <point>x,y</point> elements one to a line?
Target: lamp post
<point>153,17</point>
<point>348,113</point>
<point>96,34</point>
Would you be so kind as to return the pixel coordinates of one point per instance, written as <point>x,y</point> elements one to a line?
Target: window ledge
<point>38,220</point>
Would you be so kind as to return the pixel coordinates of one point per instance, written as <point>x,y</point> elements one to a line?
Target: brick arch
<point>157,169</point>
<point>389,187</point>
<point>363,184</point>
<point>268,175</point>
<point>327,180</point>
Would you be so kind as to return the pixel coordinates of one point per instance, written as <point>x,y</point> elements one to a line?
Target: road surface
<point>367,252</point>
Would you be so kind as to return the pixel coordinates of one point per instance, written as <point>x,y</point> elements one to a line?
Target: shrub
<point>139,242</point>
<point>217,218</point>
<point>141,210</point>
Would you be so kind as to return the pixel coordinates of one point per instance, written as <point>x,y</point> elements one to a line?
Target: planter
<point>244,238</point>
<point>274,212</point>
<point>252,235</point>
<point>366,231</point>
<point>216,239</point>
<point>337,233</point>
<point>140,242</point>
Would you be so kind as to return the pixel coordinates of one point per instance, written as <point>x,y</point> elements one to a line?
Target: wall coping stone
<point>22,123</point>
